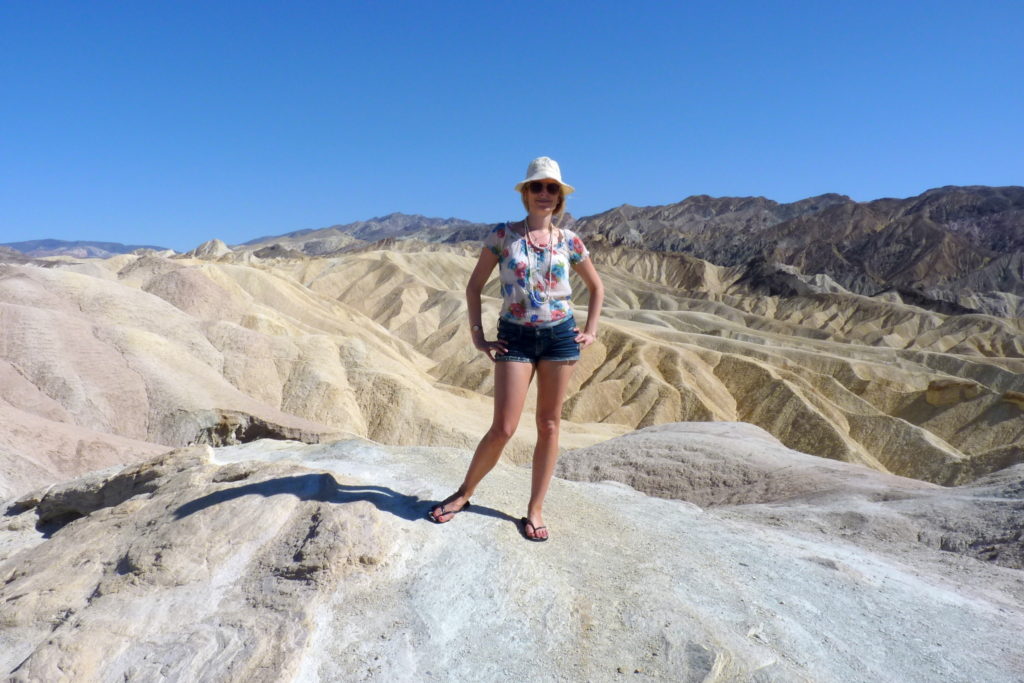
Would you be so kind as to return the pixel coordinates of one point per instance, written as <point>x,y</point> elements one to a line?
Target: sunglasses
<point>536,187</point>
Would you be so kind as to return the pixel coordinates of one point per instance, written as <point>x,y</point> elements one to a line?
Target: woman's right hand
<point>489,347</point>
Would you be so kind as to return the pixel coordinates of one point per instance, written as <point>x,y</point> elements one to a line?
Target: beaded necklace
<point>537,298</point>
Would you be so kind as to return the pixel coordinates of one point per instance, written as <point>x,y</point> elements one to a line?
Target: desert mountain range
<point>883,337</point>
<point>952,249</point>
<point>78,248</point>
<point>958,245</point>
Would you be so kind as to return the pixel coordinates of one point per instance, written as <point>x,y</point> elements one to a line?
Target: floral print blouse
<point>534,291</point>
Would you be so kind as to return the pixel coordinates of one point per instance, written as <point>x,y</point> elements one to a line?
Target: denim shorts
<point>531,344</point>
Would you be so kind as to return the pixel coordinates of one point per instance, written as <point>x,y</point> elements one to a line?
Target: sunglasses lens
<point>537,186</point>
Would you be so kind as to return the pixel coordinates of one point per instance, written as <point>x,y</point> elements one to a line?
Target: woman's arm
<point>585,269</point>
<point>481,273</point>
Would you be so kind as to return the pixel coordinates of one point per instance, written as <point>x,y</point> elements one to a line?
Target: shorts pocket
<point>566,331</point>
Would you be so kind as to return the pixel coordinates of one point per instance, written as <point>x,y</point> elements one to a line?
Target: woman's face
<point>543,201</point>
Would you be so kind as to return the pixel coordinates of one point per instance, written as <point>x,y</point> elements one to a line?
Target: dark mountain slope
<point>934,240</point>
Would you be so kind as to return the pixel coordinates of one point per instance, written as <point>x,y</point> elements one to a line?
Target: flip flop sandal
<point>445,511</point>
<point>536,539</point>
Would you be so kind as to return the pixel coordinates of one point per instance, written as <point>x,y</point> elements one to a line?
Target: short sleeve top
<point>535,287</point>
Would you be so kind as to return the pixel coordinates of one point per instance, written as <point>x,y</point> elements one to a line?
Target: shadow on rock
<point>323,488</point>
<point>319,487</point>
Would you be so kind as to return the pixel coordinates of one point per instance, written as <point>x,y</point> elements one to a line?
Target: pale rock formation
<point>211,249</point>
<point>158,353</point>
<point>1002,304</point>
<point>303,243</point>
<point>277,561</point>
<point>698,463</point>
<point>164,253</point>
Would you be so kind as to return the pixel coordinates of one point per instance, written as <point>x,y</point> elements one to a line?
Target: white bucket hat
<point>544,168</point>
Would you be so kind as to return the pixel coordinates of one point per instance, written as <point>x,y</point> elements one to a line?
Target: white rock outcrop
<point>279,561</point>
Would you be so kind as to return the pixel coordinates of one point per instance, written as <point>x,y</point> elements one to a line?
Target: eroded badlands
<point>139,353</point>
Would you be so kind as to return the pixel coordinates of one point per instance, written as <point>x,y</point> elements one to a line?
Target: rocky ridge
<point>76,248</point>
<point>937,243</point>
<point>395,226</point>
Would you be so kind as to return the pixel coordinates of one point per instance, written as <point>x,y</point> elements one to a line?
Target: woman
<point>537,334</point>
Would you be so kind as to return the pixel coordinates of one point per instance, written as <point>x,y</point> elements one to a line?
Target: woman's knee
<point>548,426</point>
<point>502,431</point>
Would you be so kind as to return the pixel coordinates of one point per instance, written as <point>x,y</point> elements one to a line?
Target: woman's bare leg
<point>552,382</point>
<point>511,381</point>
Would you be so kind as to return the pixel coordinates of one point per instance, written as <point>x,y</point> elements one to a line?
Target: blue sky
<point>176,122</point>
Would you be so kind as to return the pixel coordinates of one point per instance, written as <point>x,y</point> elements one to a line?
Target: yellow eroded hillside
<point>138,353</point>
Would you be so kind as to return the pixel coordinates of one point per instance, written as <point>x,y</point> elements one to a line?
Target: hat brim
<point>566,188</point>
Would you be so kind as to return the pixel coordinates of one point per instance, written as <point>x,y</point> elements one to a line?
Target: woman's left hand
<point>584,339</point>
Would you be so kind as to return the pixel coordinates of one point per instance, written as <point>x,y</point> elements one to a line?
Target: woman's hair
<point>559,207</point>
